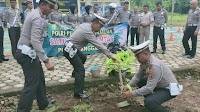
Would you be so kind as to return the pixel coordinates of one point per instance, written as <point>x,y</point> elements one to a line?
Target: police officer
<point>29,54</point>
<point>81,36</point>
<point>2,57</point>
<point>13,24</point>
<point>87,16</point>
<point>29,8</point>
<point>124,16</point>
<point>111,15</point>
<point>145,22</point>
<point>95,10</point>
<point>55,17</point>
<point>160,20</point>
<point>72,16</point>
<point>191,30</point>
<point>135,18</point>
<point>153,79</point>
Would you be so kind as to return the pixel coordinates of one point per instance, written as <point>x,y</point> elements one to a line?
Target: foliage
<point>54,108</point>
<point>80,108</point>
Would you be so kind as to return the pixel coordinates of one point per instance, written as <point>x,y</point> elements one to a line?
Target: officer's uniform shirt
<point>87,17</point>
<point>98,13</point>
<point>135,18</point>
<point>159,76</point>
<point>123,16</point>
<point>83,35</point>
<point>26,12</point>
<point>194,17</point>
<point>10,17</point>
<point>32,34</point>
<point>109,15</point>
<point>160,17</point>
<point>55,17</point>
<point>1,18</point>
<point>71,18</point>
<point>146,18</point>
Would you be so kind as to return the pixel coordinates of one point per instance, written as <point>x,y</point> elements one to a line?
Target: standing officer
<point>154,80</point>
<point>145,22</point>
<point>124,16</point>
<point>72,16</point>
<point>160,20</point>
<point>135,18</point>
<point>191,30</point>
<point>29,8</point>
<point>87,17</point>
<point>95,10</point>
<point>13,24</point>
<point>2,58</point>
<point>81,36</point>
<point>111,15</point>
<point>29,54</point>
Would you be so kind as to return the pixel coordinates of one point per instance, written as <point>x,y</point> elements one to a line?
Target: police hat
<point>139,48</point>
<point>12,0</point>
<point>113,5</point>
<point>101,19</point>
<point>29,1</point>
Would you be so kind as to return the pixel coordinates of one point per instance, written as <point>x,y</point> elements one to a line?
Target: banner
<point>57,35</point>
<point>65,4</point>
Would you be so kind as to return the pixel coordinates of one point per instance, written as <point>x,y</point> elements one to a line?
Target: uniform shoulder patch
<point>150,73</point>
<point>41,23</point>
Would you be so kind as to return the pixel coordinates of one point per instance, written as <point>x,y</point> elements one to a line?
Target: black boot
<point>80,95</point>
<point>154,51</point>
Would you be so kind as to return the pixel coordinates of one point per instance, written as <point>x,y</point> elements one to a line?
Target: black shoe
<point>163,52</point>
<point>185,54</point>
<point>80,95</point>
<point>154,51</point>
<point>190,57</point>
<point>50,102</point>
<point>1,61</point>
<point>73,74</point>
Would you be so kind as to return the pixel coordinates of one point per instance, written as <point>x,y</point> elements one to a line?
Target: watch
<point>46,61</point>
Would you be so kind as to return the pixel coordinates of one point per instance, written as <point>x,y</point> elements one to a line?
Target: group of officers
<point>153,77</point>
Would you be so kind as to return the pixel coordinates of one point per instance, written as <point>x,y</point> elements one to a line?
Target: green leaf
<point>130,88</point>
<point>130,70</point>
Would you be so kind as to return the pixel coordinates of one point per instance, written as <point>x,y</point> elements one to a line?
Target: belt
<point>134,26</point>
<point>158,25</point>
<point>69,48</point>
<point>27,51</point>
<point>191,24</point>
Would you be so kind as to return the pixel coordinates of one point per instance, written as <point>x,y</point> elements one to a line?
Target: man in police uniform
<point>29,54</point>
<point>2,57</point>
<point>191,30</point>
<point>145,22</point>
<point>95,10</point>
<point>160,20</point>
<point>81,36</point>
<point>153,79</point>
<point>124,16</point>
<point>111,15</point>
<point>135,18</point>
<point>13,24</point>
<point>29,8</point>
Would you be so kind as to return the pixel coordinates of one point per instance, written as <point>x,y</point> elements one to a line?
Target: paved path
<point>12,78</point>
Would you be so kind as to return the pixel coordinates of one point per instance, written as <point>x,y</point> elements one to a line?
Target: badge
<point>128,11</point>
<point>162,13</point>
<point>195,12</point>
<point>150,73</point>
<point>75,14</point>
<point>42,23</point>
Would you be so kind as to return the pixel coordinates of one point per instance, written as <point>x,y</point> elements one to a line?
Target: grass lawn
<point>178,19</point>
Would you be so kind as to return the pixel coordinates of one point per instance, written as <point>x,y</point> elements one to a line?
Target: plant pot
<point>95,73</point>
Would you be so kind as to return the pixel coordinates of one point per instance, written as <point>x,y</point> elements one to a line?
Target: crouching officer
<point>155,80</point>
<point>81,36</point>
<point>29,54</point>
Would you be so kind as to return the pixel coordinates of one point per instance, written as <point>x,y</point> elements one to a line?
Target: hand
<point>116,23</point>
<point>127,94</point>
<point>106,25</point>
<point>128,23</point>
<point>57,23</point>
<point>138,30</point>
<point>144,25</point>
<point>62,23</point>
<point>46,21</point>
<point>74,25</point>
<point>124,89</point>
<point>196,32</point>
<point>115,59</point>
<point>184,30</point>
<point>49,66</point>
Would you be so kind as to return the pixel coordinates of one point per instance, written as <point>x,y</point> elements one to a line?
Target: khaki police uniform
<point>81,36</point>
<point>87,18</point>
<point>55,16</point>
<point>123,17</point>
<point>26,12</point>
<point>193,24</point>
<point>32,36</point>
<point>135,19</point>
<point>110,16</point>
<point>72,19</point>
<point>153,79</point>
<point>13,23</point>
<point>145,31</point>
<point>160,20</point>
<point>1,35</point>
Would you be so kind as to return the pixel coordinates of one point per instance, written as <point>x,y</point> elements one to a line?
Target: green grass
<point>178,19</point>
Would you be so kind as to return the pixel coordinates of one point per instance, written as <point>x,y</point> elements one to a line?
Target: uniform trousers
<point>154,100</point>
<point>34,86</point>
<point>14,34</point>
<point>157,31</point>
<point>134,32</point>
<point>1,42</point>
<point>144,33</point>
<point>79,71</point>
<point>189,33</point>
